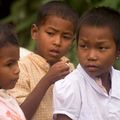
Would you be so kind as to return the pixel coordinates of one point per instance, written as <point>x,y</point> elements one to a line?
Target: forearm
<point>56,72</point>
<point>31,103</point>
<point>62,117</point>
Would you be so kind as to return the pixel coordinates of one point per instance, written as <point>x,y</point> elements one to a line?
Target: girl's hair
<point>57,8</point>
<point>7,35</point>
<point>102,17</point>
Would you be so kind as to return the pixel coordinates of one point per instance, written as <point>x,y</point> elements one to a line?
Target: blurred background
<point>22,14</point>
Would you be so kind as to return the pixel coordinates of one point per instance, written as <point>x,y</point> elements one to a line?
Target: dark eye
<point>50,33</point>
<point>83,46</point>
<point>68,37</point>
<point>9,64</point>
<point>102,48</point>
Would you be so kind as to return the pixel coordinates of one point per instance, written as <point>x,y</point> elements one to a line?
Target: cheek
<point>66,47</point>
<point>3,74</point>
<point>81,55</point>
<point>41,45</point>
<point>4,80</point>
<point>109,57</point>
<point>108,61</point>
<point>68,44</point>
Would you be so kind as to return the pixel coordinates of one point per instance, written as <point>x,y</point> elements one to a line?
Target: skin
<point>9,70</point>
<point>53,40</point>
<point>96,52</point>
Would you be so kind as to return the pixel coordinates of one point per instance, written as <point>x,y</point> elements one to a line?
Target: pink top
<point>9,108</point>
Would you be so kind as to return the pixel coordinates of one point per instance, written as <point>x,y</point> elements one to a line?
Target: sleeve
<point>22,87</point>
<point>66,98</point>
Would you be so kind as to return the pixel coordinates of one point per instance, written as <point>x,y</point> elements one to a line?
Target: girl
<point>9,73</point>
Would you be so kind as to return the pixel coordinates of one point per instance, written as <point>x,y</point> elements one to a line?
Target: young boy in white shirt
<point>91,91</point>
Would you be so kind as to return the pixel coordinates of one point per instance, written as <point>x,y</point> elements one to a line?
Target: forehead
<point>55,16</point>
<point>59,22</point>
<point>9,51</point>
<point>96,32</point>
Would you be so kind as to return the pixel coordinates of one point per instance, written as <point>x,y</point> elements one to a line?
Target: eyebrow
<point>53,28</point>
<point>99,40</point>
<point>57,30</point>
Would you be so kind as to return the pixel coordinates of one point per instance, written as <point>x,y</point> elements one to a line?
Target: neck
<point>106,82</point>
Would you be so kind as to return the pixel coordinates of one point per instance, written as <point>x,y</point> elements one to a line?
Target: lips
<point>12,83</point>
<point>54,53</point>
<point>91,68</point>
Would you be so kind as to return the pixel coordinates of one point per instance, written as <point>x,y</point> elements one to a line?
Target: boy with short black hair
<point>53,32</point>
<point>92,90</point>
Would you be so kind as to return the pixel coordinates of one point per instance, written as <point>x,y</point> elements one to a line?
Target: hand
<point>57,71</point>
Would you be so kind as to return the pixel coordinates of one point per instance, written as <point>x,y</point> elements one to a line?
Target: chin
<point>51,62</point>
<point>11,87</point>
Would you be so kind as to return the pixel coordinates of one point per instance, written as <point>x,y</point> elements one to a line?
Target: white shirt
<point>79,97</point>
<point>24,52</point>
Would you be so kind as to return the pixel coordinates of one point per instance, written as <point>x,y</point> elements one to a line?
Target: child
<point>9,73</point>
<point>92,90</point>
<point>53,32</point>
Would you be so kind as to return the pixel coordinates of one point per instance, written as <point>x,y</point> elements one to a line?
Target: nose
<point>92,55</point>
<point>16,69</point>
<point>57,41</point>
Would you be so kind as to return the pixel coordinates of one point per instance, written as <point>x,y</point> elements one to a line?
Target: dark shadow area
<point>5,8</point>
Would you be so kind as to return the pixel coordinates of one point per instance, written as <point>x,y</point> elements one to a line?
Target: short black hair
<point>102,17</point>
<point>57,8</point>
<point>8,35</point>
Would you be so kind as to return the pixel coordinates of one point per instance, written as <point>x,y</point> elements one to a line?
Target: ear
<point>34,32</point>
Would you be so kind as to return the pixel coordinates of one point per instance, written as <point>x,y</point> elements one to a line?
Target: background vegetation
<point>22,14</point>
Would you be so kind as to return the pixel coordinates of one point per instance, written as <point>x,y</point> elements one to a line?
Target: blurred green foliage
<point>23,13</point>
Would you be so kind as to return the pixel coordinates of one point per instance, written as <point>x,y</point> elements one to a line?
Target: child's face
<point>96,50</point>
<point>53,38</point>
<point>9,70</point>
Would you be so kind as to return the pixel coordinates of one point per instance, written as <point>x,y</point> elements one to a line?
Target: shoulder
<point>67,95</point>
<point>28,60</point>
<point>24,62</point>
<point>115,73</point>
<point>74,75</point>
<point>115,77</point>
<point>71,81</point>
<point>32,65</point>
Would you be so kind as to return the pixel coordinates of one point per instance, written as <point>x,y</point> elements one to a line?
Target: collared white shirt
<point>81,98</point>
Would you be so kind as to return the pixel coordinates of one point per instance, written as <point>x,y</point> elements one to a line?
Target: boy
<point>92,92</point>
<point>53,31</point>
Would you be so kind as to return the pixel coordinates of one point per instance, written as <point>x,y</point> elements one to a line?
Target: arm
<point>62,117</point>
<point>56,72</point>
